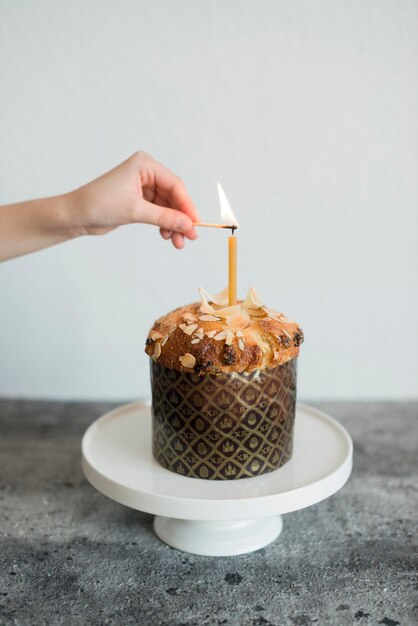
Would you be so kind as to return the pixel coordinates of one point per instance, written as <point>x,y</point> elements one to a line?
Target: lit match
<point>208,225</point>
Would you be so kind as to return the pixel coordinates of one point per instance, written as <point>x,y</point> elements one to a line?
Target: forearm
<point>36,224</point>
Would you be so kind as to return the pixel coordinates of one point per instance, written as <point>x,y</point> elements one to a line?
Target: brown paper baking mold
<point>223,426</point>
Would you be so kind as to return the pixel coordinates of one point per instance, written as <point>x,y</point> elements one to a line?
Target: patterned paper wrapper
<point>226,426</point>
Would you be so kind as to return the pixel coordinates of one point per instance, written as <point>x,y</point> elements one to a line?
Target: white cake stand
<point>212,517</point>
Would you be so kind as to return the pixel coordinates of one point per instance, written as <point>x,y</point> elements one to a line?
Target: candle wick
<point>233,229</point>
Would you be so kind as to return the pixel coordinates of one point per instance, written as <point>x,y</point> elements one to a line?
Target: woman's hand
<point>139,190</point>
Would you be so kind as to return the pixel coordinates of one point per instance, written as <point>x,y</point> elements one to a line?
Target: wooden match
<point>208,225</point>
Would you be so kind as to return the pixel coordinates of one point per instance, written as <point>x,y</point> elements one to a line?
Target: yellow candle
<point>232,282</point>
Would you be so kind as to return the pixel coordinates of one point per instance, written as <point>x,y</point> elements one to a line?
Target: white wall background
<point>305,111</point>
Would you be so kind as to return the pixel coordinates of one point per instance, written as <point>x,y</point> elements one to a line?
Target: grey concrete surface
<point>71,556</point>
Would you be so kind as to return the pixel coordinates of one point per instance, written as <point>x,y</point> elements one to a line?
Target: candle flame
<point>226,212</point>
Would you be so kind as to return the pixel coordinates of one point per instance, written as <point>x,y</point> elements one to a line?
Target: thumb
<point>165,218</point>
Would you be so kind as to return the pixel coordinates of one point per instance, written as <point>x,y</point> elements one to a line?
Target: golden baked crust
<point>248,336</point>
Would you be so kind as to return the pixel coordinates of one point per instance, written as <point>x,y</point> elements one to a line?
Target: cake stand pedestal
<point>214,517</point>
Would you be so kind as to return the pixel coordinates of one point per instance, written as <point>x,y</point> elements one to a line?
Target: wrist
<point>73,201</point>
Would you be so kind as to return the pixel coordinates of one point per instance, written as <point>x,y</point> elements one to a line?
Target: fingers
<point>165,234</point>
<point>165,202</point>
<point>172,188</point>
<point>192,234</point>
<point>178,240</point>
<point>167,219</point>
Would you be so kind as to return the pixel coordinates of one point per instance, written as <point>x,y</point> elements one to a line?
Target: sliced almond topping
<point>228,311</point>
<point>164,340</point>
<point>189,317</point>
<point>272,313</point>
<point>275,355</point>
<point>157,350</point>
<point>256,312</point>
<point>221,299</point>
<point>211,333</point>
<point>209,318</point>
<point>154,334</point>
<point>252,300</point>
<point>220,336</point>
<point>197,340</point>
<point>200,332</point>
<point>229,337</point>
<point>205,307</point>
<point>239,320</point>
<point>189,330</point>
<point>172,328</point>
<point>187,360</point>
<point>241,344</point>
<point>239,333</point>
<point>286,333</point>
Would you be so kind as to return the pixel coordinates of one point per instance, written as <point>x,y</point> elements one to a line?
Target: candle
<point>230,221</point>
<point>232,269</point>
<point>229,218</point>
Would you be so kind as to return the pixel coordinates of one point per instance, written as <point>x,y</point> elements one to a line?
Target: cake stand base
<point>218,538</point>
<point>214,517</point>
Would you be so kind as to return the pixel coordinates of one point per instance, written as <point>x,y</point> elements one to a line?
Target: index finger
<point>172,188</point>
